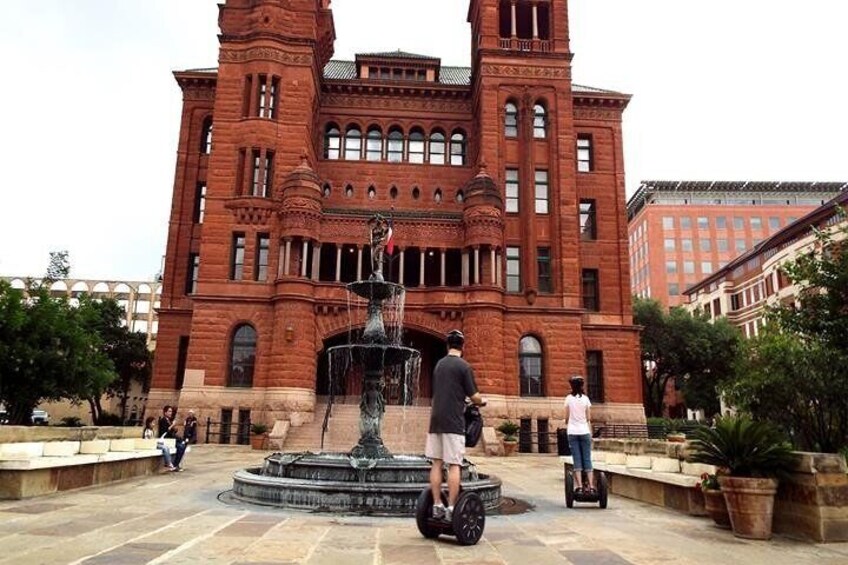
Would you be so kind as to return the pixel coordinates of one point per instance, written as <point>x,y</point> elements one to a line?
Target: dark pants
<point>581,451</point>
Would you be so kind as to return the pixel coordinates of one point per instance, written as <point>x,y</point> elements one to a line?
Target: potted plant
<point>714,501</point>
<point>673,431</point>
<point>258,436</point>
<point>749,456</point>
<point>510,441</point>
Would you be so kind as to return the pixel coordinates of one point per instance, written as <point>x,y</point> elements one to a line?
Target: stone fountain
<point>369,479</point>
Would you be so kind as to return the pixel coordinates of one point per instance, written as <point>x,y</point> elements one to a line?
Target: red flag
<point>390,239</point>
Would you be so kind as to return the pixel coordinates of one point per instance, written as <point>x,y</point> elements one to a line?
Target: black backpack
<point>473,425</point>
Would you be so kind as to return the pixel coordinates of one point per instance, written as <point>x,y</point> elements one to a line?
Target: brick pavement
<point>178,519</point>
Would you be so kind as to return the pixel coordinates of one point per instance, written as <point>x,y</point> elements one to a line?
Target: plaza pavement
<point>178,518</point>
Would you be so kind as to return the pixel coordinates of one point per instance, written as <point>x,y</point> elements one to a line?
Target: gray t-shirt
<point>453,381</point>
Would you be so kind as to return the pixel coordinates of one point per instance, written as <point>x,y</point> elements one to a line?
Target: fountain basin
<point>337,482</point>
<point>371,354</point>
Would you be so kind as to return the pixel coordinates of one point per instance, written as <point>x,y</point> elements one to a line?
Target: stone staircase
<point>404,429</point>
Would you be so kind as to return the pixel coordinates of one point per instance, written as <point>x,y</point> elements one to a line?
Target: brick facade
<point>273,174</point>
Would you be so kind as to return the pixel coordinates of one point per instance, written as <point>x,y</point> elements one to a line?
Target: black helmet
<point>455,339</point>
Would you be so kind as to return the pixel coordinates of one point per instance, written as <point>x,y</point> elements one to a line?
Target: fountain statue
<point>368,479</point>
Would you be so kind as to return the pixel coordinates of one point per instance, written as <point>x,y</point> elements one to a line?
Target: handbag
<point>473,425</point>
<point>160,442</point>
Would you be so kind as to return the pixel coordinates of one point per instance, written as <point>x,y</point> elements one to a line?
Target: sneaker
<point>438,511</point>
<point>448,513</point>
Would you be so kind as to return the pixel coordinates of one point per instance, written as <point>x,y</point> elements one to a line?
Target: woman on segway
<point>579,425</point>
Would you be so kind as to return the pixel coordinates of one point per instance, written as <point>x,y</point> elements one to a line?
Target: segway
<point>469,517</point>
<point>600,496</point>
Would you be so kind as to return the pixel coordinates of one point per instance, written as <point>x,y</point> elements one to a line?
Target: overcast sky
<point>89,110</point>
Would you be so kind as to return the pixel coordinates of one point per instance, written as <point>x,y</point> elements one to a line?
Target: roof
<point>398,55</point>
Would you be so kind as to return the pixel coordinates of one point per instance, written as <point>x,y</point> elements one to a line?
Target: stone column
<point>287,260</point>
<point>512,19</point>
<point>421,273</point>
<point>476,264</point>
<point>535,21</point>
<point>338,263</point>
<point>282,261</point>
<point>402,260</point>
<point>316,261</point>
<point>442,273</point>
<point>303,257</point>
<point>465,266</point>
<point>359,262</point>
<point>492,265</point>
<point>498,271</point>
<point>254,96</point>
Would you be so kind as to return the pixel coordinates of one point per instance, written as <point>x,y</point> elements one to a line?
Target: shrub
<point>509,429</point>
<point>258,429</point>
<point>109,419</point>
<point>71,422</point>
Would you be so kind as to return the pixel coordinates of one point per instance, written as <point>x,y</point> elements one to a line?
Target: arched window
<point>206,136</point>
<point>242,356</point>
<point>374,144</point>
<point>510,120</point>
<point>460,196</point>
<point>393,192</point>
<point>416,146</point>
<point>540,122</point>
<point>328,190</point>
<point>348,191</point>
<point>372,192</point>
<point>457,148</point>
<point>332,142</point>
<point>394,151</point>
<point>353,143</point>
<point>437,196</point>
<point>437,148</point>
<point>416,194</point>
<point>530,366</point>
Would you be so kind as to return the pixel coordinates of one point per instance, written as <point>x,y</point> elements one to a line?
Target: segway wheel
<point>423,511</point>
<point>569,490</point>
<point>603,489</point>
<point>469,518</point>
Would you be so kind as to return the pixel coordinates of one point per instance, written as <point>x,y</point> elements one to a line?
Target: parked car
<point>40,417</point>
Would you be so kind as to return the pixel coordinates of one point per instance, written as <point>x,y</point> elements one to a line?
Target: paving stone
<point>594,557</point>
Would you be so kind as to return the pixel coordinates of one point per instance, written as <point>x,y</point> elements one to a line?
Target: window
<point>668,244</point>
<point>756,223</point>
<point>457,149</point>
<point>263,243</point>
<point>199,202</point>
<point>721,223</point>
<point>584,153</point>
<point>513,269</point>
<point>206,136</point>
<point>588,220</point>
<point>686,223</point>
<point>721,244</point>
<point>539,121</point>
<point>237,257</point>
<point>673,289</point>
<point>668,223</point>
<point>193,270</point>
<point>182,356</point>
<point>595,376</point>
<point>706,267</point>
<point>688,267</point>
<point>437,148</point>
<point>512,190</point>
<point>242,356</point>
<point>332,142</point>
<point>740,245</point>
<point>267,92</point>
<point>374,144</point>
<point>686,244</point>
<point>268,178</point>
<point>541,192</point>
<point>703,223</point>
<point>543,262</point>
<point>738,223</point>
<point>591,289</point>
<point>530,366</point>
<point>671,267</point>
<point>774,223</point>
<point>353,144</point>
<point>416,146</point>
<point>437,196</point>
<point>706,244</point>
<point>510,120</point>
<point>394,151</point>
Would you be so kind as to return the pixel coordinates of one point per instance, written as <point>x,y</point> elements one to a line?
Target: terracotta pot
<point>509,447</point>
<point>716,507</point>
<point>676,438</point>
<point>750,503</point>
<point>257,441</point>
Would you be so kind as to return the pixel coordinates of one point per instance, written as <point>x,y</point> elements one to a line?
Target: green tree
<point>793,373</point>
<point>678,345</point>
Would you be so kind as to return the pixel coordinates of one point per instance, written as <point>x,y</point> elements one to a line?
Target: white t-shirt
<point>577,424</point>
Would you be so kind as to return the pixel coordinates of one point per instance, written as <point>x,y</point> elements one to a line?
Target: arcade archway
<point>348,387</point>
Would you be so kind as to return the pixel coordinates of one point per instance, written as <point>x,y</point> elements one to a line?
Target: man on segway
<point>453,382</point>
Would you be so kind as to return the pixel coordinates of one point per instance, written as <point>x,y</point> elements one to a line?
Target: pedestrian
<point>168,430</point>
<point>453,382</point>
<point>148,428</point>
<point>579,426</point>
<point>190,428</point>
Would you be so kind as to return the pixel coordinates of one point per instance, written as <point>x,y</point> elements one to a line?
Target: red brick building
<point>505,182</point>
<point>681,232</point>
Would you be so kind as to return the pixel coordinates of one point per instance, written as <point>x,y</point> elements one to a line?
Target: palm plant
<point>509,429</point>
<point>743,448</point>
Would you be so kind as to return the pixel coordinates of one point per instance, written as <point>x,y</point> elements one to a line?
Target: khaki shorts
<point>448,447</point>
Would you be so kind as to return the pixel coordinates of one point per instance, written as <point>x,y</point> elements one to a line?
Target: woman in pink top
<point>579,424</point>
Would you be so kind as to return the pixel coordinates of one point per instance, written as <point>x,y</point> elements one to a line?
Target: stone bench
<point>30,469</point>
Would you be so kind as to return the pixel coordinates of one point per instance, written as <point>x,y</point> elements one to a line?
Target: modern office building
<point>504,181</point>
<point>683,231</point>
